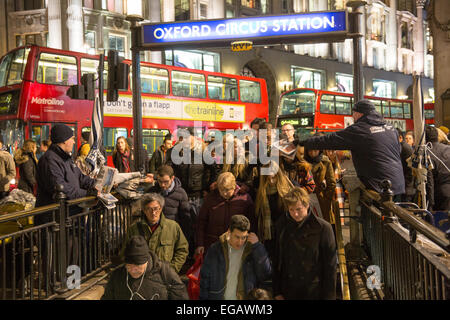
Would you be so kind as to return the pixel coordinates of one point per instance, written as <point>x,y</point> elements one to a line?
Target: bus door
<point>40,131</point>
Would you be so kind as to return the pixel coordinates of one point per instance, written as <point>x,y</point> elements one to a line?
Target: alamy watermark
<point>74,277</point>
<point>228,148</point>
<point>374,281</point>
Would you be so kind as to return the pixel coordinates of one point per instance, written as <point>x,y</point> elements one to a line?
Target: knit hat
<point>431,134</point>
<point>137,251</point>
<point>364,106</point>
<point>60,133</point>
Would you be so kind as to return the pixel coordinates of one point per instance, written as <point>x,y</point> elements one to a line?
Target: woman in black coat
<point>26,161</point>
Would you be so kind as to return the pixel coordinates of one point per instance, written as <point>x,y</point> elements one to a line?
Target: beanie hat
<point>431,134</point>
<point>61,133</point>
<point>137,251</point>
<point>364,106</point>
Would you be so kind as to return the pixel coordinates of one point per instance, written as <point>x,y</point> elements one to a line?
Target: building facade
<point>397,41</point>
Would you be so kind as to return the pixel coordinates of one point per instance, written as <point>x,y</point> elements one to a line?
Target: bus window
<point>250,91</point>
<point>57,69</point>
<point>377,104</point>
<point>396,110</point>
<point>429,113</point>
<point>13,133</point>
<point>186,84</point>
<point>343,105</point>
<point>110,136</point>
<point>91,66</point>
<point>40,133</point>
<point>153,139</point>
<point>407,110</point>
<point>385,109</point>
<point>154,80</point>
<point>297,102</point>
<point>17,66</point>
<point>222,88</point>
<point>327,104</point>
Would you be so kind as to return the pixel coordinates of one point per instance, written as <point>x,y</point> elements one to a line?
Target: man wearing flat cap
<point>56,167</point>
<point>144,276</point>
<point>374,145</point>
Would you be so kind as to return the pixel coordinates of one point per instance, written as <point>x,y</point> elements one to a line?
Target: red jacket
<point>216,212</point>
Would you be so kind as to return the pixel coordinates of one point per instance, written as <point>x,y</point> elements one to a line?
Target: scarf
<point>126,161</point>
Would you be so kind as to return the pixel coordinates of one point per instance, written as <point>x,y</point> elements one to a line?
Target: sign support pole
<point>358,76</point>
<point>136,87</point>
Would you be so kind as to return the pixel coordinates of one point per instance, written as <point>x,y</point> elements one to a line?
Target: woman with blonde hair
<point>269,204</point>
<point>26,161</point>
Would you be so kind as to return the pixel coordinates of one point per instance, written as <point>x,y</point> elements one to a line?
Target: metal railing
<point>408,270</point>
<point>43,261</point>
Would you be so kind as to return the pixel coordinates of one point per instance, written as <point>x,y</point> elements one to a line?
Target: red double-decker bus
<point>309,110</point>
<point>429,112</point>
<point>33,97</point>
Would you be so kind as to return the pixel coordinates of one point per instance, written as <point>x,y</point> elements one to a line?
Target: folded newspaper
<point>104,184</point>
<point>286,148</point>
<point>106,179</point>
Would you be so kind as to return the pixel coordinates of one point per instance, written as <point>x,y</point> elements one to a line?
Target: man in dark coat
<point>304,264</point>
<point>144,277</point>
<point>56,167</point>
<point>405,153</point>
<point>438,184</point>
<point>374,145</point>
<point>235,264</point>
<point>159,157</point>
<point>219,206</point>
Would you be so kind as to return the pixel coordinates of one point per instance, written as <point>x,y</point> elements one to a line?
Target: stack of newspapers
<point>286,148</point>
<point>104,183</point>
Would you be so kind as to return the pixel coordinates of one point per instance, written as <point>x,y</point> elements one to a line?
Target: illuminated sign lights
<point>157,34</point>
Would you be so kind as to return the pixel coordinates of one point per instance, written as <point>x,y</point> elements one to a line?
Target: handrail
<point>419,225</point>
<point>345,287</point>
<point>28,213</point>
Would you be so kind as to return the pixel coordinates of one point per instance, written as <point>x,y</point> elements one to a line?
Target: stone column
<point>155,16</point>
<point>392,37</point>
<point>75,25</point>
<point>216,9</point>
<point>419,41</point>
<point>168,10</point>
<point>54,24</point>
<point>438,12</point>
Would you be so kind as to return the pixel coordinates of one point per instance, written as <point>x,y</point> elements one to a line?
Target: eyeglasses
<point>152,209</point>
<point>285,130</point>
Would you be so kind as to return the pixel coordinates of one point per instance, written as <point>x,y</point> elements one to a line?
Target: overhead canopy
<point>327,26</point>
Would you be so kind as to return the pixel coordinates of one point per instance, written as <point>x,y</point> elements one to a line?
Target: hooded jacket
<point>167,241</point>
<point>304,265</point>
<point>216,212</point>
<point>7,170</point>
<point>375,150</point>
<point>160,282</point>
<point>254,272</point>
<point>27,164</point>
<point>158,159</point>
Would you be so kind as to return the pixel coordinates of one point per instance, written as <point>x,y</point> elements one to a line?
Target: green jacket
<point>167,242</point>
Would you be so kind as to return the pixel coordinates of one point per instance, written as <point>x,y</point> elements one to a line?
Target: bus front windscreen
<point>298,102</point>
<point>9,102</point>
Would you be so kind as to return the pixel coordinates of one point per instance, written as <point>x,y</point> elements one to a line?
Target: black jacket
<point>57,167</point>
<point>304,264</point>
<point>27,164</point>
<point>160,282</point>
<point>194,177</point>
<point>158,159</point>
<point>375,151</point>
<point>405,153</point>
<point>438,184</point>
<point>176,206</point>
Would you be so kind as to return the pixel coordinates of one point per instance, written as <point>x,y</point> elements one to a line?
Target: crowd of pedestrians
<point>257,234</point>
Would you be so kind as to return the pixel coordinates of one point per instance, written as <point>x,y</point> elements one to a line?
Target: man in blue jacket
<point>374,145</point>
<point>235,264</point>
<point>56,167</point>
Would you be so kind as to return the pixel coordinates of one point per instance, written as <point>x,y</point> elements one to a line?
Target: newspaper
<point>286,148</point>
<point>104,184</point>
